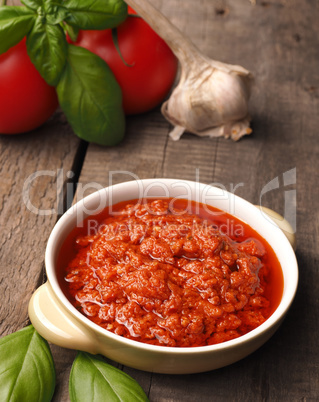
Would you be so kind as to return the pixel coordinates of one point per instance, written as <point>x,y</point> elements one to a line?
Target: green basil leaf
<point>33,4</point>
<point>36,4</point>
<point>15,24</point>
<point>51,12</point>
<point>92,378</point>
<point>47,49</point>
<point>91,98</point>
<point>26,367</point>
<point>55,14</point>
<point>98,14</point>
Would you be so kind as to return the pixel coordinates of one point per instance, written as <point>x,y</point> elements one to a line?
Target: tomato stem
<point>71,31</point>
<point>117,47</point>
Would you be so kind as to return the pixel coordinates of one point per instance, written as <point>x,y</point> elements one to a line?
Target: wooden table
<point>278,40</point>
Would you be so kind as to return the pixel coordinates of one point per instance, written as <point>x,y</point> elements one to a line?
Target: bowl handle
<point>283,224</point>
<point>56,324</point>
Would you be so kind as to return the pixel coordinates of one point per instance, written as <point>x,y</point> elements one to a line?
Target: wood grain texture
<point>140,155</point>
<point>36,158</point>
<point>278,40</point>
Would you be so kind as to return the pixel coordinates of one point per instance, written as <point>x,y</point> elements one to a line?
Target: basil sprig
<point>91,375</point>
<point>87,89</point>
<point>26,367</point>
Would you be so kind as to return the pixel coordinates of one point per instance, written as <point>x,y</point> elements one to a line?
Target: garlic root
<point>211,98</point>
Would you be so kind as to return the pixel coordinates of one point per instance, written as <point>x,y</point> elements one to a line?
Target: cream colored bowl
<point>59,322</point>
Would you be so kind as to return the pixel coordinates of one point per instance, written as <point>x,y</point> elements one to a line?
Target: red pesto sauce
<point>170,272</point>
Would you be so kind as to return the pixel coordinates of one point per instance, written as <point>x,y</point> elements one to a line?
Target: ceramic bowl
<point>55,318</point>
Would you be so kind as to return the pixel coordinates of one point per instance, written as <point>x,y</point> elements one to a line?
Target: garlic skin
<point>211,98</point>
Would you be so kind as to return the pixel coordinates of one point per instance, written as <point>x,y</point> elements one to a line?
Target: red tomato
<point>26,100</point>
<point>152,65</point>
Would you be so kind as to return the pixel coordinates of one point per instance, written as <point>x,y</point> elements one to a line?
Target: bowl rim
<point>273,321</point>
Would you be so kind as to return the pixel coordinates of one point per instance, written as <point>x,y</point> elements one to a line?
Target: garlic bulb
<point>211,98</point>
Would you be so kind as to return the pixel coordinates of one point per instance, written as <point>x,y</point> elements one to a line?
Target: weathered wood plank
<point>140,155</point>
<point>279,43</point>
<point>36,158</point>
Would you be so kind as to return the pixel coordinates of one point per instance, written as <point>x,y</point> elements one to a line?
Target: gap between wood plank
<point>71,182</point>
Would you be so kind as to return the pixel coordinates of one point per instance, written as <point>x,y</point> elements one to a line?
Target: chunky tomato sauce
<point>170,272</point>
